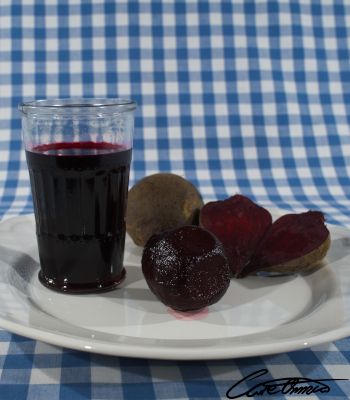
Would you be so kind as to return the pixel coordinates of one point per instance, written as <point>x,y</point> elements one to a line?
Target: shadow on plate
<point>23,266</point>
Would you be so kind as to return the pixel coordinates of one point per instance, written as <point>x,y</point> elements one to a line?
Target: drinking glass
<point>78,153</point>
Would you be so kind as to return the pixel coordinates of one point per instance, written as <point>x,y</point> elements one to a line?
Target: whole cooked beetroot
<point>186,268</point>
<point>239,224</point>
<point>294,243</point>
<point>161,202</point>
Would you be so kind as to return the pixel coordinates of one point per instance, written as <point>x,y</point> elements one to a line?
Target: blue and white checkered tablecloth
<point>238,96</point>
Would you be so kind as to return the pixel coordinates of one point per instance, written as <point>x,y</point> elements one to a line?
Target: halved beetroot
<point>294,243</point>
<point>239,224</point>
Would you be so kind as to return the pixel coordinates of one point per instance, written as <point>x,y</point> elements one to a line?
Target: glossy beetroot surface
<point>186,268</point>
<point>239,224</point>
<point>291,237</point>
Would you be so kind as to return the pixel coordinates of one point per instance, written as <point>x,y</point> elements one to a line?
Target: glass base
<point>83,288</point>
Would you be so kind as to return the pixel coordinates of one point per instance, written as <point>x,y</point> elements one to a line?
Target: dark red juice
<point>79,194</point>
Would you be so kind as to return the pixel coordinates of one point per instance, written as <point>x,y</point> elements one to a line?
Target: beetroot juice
<point>79,193</point>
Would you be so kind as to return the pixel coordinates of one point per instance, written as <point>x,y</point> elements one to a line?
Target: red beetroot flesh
<point>186,268</point>
<point>239,224</point>
<point>290,237</point>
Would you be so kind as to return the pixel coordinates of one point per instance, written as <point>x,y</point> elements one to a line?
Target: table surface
<point>247,97</point>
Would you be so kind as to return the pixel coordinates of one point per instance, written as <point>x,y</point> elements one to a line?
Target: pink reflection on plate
<point>189,315</point>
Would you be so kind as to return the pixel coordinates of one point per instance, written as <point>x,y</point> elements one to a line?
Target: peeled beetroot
<point>239,224</point>
<point>295,242</point>
<point>186,268</point>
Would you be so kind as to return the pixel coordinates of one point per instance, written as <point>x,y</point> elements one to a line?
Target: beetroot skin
<point>186,268</point>
<point>239,224</point>
<point>302,238</point>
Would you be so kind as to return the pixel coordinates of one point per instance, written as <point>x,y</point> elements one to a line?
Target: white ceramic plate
<point>256,316</point>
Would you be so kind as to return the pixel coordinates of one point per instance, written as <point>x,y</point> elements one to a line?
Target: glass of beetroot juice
<point>78,154</point>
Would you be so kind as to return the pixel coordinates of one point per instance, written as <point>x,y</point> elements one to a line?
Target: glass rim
<point>101,105</point>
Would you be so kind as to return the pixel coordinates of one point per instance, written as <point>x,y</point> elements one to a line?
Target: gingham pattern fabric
<point>237,96</point>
